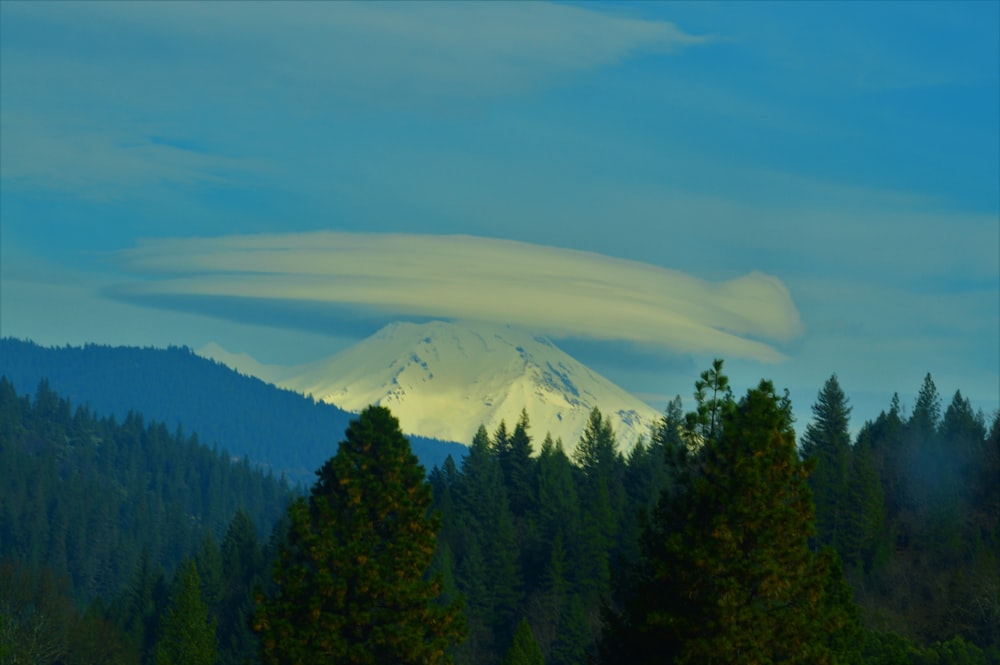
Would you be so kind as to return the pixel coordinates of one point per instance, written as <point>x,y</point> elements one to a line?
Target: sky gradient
<point>799,188</point>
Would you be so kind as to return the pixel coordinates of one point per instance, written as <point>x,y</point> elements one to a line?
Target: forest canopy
<point>880,549</point>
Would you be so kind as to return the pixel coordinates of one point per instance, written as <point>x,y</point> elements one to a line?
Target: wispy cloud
<point>558,292</point>
<point>426,48</point>
<point>225,71</point>
<point>102,164</point>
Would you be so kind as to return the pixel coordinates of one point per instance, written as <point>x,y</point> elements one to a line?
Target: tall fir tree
<point>187,632</point>
<point>518,467</point>
<point>828,442</point>
<point>242,561</point>
<point>491,563</point>
<point>862,541</point>
<point>524,650</point>
<point>728,576</point>
<point>603,493</point>
<point>352,581</point>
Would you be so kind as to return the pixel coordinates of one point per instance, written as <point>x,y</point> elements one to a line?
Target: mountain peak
<point>443,380</point>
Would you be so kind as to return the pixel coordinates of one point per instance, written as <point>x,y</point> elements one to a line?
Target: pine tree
<point>351,581</point>
<point>187,634</point>
<point>714,400</point>
<point>728,576</point>
<point>828,442</point>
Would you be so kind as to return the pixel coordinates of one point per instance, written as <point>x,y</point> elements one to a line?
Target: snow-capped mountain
<point>443,380</point>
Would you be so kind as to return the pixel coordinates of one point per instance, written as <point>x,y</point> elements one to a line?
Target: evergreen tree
<point>524,650</point>
<point>570,645</point>
<point>828,442</point>
<point>927,409</point>
<point>728,576</point>
<point>187,634</point>
<point>351,581</point>
<point>603,496</point>
<point>242,562</point>
<point>714,400</point>
<point>863,542</point>
<point>518,467</point>
<point>492,552</point>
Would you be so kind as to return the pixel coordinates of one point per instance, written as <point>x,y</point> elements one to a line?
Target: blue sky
<point>800,188</point>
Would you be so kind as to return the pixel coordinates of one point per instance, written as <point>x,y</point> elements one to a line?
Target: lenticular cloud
<point>556,292</point>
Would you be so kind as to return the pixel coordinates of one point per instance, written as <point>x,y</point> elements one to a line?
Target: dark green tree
<point>603,493</point>
<point>518,467</point>
<point>927,409</point>
<point>728,576</point>
<point>351,583</point>
<point>713,401</point>
<point>828,442</point>
<point>524,650</point>
<point>187,633</point>
<point>242,561</point>
<point>488,572</point>
<point>862,541</point>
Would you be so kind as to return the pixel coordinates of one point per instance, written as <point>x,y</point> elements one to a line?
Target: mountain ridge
<point>275,428</point>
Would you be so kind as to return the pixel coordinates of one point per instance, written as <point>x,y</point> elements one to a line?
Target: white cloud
<point>558,292</point>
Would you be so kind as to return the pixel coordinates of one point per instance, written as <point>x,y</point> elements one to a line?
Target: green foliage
<point>524,650</point>
<point>514,453</point>
<point>862,542</point>
<point>828,442</point>
<point>351,582</point>
<point>243,568</point>
<point>923,546</point>
<point>187,633</point>
<point>602,467</point>
<point>87,495</point>
<point>112,506</point>
<point>728,574</point>
<point>40,624</point>
<point>713,402</point>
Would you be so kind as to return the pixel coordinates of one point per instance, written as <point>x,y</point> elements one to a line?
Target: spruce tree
<point>728,576</point>
<point>828,442</point>
<point>351,581</point>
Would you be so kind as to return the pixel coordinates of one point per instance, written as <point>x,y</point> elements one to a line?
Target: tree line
<point>720,539</point>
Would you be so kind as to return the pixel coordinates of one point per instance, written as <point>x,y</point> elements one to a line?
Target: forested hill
<point>89,497</point>
<point>275,428</point>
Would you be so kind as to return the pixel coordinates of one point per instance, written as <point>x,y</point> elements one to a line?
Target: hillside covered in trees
<point>277,429</point>
<point>721,534</point>
<point>96,513</point>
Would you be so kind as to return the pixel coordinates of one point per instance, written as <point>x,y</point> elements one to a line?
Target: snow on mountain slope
<point>443,380</point>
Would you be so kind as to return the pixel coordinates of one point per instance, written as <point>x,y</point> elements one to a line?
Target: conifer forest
<point>728,535</point>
